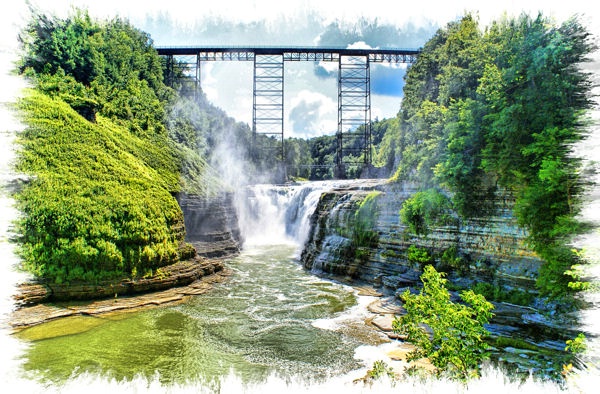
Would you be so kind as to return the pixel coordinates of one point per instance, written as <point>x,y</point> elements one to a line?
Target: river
<point>257,324</point>
<point>272,318</point>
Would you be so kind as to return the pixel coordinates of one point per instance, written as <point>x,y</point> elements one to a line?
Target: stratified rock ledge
<point>39,303</point>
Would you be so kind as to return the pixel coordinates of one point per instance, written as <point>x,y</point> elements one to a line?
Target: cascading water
<point>272,214</point>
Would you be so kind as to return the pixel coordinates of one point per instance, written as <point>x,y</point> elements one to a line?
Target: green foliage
<point>576,274</point>
<point>451,259</point>
<point>460,166</point>
<point>113,60</point>
<point>418,256</point>
<point>502,108</point>
<point>514,342</point>
<point>425,209</point>
<point>385,136</point>
<point>453,336</point>
<point>297,156</point>
<point>100,204</point>
<point>554,279</point>
<point>53,44</point>
<point>499,294</point>
<point>365,220</point>
<point>576,345</point>
<point>95,209</point>
<point>379,370</point>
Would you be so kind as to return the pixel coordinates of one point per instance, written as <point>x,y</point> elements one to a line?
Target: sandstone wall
<point>211,224</point>
<point>493,249</point>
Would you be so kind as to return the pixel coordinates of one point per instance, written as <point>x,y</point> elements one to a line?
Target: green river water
<point>257,324</point>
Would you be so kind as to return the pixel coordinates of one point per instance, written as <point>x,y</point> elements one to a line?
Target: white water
<point>272,214</point>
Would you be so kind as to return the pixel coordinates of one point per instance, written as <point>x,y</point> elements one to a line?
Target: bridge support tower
<point>354,113</point>
<point>267,107</point>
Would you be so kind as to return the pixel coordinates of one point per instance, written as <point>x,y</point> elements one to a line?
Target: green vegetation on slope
<point>424,210</point>
<point>94,209</point>
<point>104,168</point>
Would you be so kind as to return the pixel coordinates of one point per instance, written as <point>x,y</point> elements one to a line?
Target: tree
<point>425,209</point>
<point>460,166</point>
<point>453,336</point>
<point>500,111</point>
<point>51,44</point>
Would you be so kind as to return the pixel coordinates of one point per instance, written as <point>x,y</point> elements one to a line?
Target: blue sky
<point>310,92</point>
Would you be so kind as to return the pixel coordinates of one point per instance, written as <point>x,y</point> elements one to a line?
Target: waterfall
<point>278,214</point>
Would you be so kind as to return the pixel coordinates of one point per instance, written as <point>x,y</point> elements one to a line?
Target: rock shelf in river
<point>180,282</point>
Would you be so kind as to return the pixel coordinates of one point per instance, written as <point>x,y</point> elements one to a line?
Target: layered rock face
<point>179,274</point>
<point>492,249</point>
<point>211,224</point>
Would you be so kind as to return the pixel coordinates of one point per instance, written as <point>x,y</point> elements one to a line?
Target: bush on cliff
<point>424,210</point>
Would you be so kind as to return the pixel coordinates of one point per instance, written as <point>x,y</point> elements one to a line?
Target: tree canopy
<point>499,110</point>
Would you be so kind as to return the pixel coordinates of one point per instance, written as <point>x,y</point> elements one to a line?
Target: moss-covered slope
<point>95,208</point>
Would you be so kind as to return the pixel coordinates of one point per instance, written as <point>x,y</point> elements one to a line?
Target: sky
<point>310,101</point>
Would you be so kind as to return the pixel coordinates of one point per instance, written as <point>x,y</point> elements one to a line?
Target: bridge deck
<point>290,53</point>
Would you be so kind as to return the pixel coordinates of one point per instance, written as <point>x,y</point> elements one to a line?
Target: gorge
<point>283,228</point>
<point>129,197</point>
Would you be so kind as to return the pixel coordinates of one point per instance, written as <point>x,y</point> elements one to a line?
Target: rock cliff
<point>491,249</point>
<point>211,224</point>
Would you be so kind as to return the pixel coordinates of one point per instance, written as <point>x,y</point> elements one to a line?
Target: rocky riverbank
<point>510,347</point>
<point>176,284</point>
<point>490,253</point>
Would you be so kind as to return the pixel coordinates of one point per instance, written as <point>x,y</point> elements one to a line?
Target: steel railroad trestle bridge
<point>354,87</point>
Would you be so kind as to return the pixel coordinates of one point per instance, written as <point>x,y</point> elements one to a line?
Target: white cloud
<point>312,114</point>
<point>359,45</point>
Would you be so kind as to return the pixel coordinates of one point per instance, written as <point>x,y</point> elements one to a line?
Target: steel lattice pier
<point>354,145</point>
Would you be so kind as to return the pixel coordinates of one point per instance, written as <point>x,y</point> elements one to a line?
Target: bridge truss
<point>354,143</point>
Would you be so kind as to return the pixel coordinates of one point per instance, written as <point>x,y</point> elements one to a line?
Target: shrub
<point>418,256</point>
<point>424,210</point>
<point>455,345</point>
<point>497,293</point>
